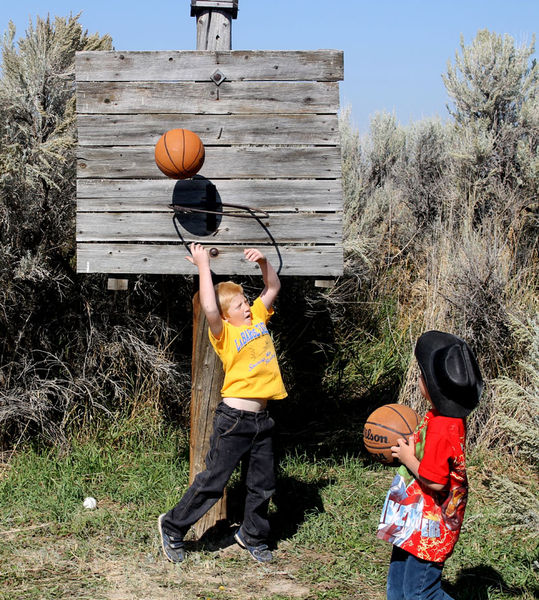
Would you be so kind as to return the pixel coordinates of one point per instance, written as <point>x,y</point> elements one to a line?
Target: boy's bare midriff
<point>248,404</point>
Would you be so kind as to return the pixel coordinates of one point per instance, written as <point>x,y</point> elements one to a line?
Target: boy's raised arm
<point>272,284</point>
<point>201,259</point>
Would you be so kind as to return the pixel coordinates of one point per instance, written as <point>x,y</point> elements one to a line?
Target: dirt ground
<point>228,573</point>
<point>52,565</point>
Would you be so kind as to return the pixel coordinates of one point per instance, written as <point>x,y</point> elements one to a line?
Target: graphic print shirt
<point>415,518</point>
<point>249,358</point>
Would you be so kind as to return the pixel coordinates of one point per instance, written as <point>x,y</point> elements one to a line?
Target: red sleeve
<point>435,465</point>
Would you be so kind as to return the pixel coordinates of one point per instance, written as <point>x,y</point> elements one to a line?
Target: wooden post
<point>213,33</point>
<point>214,23</point>
<point>206,383</point>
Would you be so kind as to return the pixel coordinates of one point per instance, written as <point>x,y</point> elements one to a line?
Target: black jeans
<point>236,433</point>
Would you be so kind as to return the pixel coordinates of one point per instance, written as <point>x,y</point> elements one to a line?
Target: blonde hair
<point>224,292</point>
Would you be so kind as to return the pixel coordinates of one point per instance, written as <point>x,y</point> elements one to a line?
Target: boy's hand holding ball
<point>404,451</point>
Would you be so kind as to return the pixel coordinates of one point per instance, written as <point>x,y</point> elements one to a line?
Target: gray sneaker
<point>173,547</point>
<point>260,553</point>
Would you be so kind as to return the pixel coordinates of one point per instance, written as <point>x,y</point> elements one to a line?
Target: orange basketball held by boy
<point>385,426</point>
<point>179,153</point>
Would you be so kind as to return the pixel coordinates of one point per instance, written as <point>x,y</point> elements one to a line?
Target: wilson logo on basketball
<point>371,437</point>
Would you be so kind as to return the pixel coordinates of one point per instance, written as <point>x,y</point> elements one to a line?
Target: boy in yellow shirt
<point>242,425</point>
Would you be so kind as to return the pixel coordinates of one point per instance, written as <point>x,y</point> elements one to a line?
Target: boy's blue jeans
<point>236,433</point>
<point>411,578</point>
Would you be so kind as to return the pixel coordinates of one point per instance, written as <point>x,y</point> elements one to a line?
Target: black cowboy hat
<point>451,373</point>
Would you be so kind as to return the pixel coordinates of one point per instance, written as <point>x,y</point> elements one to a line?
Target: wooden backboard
<point>268,120</point>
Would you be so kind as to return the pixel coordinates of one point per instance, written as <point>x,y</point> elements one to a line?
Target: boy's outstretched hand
<point>272,285</point>
<point>253,255</point>
<point>199,255</point>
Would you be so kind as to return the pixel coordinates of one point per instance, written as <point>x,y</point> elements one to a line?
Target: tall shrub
<point>69,352</point>
<point>449,211</point>
<point>494,88</point>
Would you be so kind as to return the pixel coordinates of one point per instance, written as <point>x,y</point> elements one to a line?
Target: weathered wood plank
<point>132,195</point>
<point>239,65</point>
<point>159,227</point>
<point>170,259</point>
<point>239,97</point>
<point>222,130</point>
<point>236,162</point>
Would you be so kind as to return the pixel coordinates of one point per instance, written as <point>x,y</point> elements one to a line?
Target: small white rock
<point>89,503</point>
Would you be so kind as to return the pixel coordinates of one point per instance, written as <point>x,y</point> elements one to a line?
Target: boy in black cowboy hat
<point>424,507</point>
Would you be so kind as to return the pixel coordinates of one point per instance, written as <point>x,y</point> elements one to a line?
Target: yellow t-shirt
<point>249,358</point>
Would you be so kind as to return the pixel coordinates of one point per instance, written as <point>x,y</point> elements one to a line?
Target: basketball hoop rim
<point>251,212</point>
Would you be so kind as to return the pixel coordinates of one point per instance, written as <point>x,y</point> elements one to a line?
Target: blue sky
<point>395,51</point>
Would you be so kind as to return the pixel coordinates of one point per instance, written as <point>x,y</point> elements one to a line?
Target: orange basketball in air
<point>179,153</point>
<point>385,426</point>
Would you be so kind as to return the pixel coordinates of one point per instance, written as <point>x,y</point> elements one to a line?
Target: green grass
<point>50,485</point>
<point>324,518</point>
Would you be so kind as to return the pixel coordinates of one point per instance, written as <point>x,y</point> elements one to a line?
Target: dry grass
<point>54,566</point>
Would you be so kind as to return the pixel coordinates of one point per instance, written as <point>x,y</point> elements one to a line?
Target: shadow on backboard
<point>199,209</point>
<point>197,206</point>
